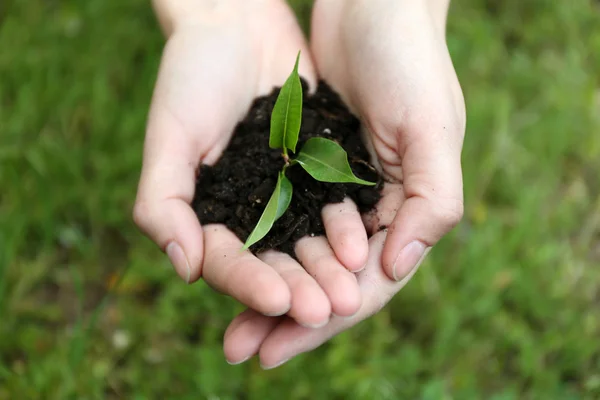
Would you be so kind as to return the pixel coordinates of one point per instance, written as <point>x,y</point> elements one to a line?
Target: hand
<point>218,58</point>
<point>389,61</point>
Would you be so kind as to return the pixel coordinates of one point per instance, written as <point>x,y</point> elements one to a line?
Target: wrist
<point>439,12</point>
<point>174,14</point>
<point>435,10</point>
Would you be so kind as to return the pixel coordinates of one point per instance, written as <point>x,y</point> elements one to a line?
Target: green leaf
<point>285,194</point>
<point>327,161</point>
<point>287,113</point>
<point>276,207</point>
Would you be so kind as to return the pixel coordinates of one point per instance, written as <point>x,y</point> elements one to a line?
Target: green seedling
<point>323,159</point>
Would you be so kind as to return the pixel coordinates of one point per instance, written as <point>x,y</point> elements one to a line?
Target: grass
<point>506,307</point>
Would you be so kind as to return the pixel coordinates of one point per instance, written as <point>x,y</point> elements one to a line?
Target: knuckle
<point>450,212</point>
<point>321,260</point>
<point>225,278</point>
<point>380,297</point>
<point>303,245</point>
<point>140,213</point>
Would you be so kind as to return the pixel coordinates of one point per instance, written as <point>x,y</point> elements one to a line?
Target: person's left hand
<point>389,62</point>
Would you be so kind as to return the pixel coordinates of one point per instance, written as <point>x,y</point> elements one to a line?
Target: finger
<point>392,198</point>
<point>189,123</point>
<point>245,334</point>
<point>310,306</point>
<point>346,234</point>
<point>241,275</point>
<point>433,206</point>
<point>289,339</point>
<point>165,190</point>
<point>339,284</point>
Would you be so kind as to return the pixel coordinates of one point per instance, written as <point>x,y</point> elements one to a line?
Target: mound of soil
<point>236,190</point>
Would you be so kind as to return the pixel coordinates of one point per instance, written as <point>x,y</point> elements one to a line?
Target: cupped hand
<point>389,61</point>
<point>220,56</point>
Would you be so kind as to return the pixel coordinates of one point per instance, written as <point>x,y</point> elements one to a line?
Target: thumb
<point>189,123</point>
<point>162,209</point>
<point>432,184</point>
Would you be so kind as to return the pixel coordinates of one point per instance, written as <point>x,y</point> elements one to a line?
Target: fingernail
<point>345,318</point>
<point>237,362</point>
<point>179,261</point>
<point>278,313</point>
<point>274,366</point>
<point>314,326</point>
<point>356,271</point>
<point>409,258</point>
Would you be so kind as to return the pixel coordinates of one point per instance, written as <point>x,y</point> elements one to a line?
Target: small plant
<point>323,159</point>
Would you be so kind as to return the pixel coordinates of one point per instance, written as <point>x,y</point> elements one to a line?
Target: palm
<point>202,83</point>
<point>395,85</point>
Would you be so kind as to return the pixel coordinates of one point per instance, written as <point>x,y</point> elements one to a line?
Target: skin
<point>388,59</point>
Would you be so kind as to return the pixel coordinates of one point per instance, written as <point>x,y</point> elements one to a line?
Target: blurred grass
<point>506,307</point>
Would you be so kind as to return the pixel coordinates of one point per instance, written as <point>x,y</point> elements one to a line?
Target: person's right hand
<point>218,58</point>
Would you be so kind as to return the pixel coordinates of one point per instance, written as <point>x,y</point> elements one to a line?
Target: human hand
<point>218,58</point>
<point>389,61</point>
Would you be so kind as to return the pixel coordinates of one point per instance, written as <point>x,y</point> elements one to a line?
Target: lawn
<point>506,307</point>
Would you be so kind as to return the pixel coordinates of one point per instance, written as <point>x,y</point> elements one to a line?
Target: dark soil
<point>235,191</point>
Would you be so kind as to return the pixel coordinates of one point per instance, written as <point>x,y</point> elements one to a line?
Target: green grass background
<point>506,307</point>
